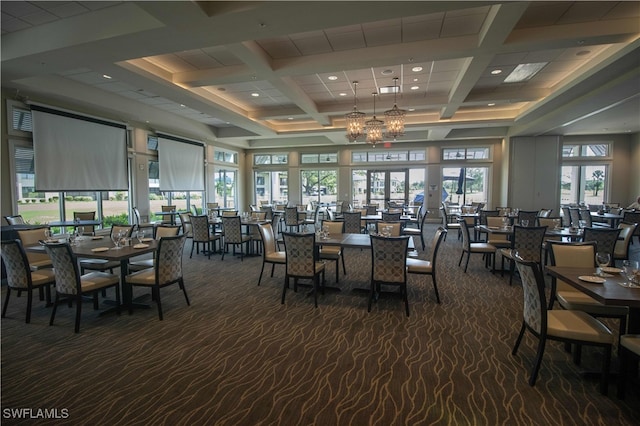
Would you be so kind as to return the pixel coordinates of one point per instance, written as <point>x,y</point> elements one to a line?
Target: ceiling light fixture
<point>374,126</point>
<point>524,72</point>
<point>394,118</point>
<point>355,119</point>
<point>416,69</point>
<point>332,77</point>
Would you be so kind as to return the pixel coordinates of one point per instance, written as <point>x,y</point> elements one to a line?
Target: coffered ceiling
<point>280,74</point>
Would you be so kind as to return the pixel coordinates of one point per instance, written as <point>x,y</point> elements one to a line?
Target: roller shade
<point>181,164</point>
<point>78,153</point>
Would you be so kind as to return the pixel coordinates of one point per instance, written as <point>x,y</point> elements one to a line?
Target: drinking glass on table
<point>115,237</point>
<point>140,236</point>
<point>524,222</point>
<point>631,269</point>
<point>602,259</point>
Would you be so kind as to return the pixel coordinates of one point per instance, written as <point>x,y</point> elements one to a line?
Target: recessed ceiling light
<point>416,69</point>
<point>183,105</point>
<point>290,118</point>
<point>415,87</point>
<point>255,95</point>
<point>108,77</point>
<point>333,77</point>
<point>389,89</point>
<point>491,104</point>
<point>412,109</point>
<point>496,72</point>
<point>524,72</point>
<point>386,72</point>
<point>342,94</point>
<point>415,80</point>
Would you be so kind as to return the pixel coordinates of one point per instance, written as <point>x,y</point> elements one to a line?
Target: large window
<point>263,159</point>
<point>226,191</point>
<point>386,156</point>
<point>465,185</point>
<point>319,185</point>
<point>584,176</point>
<point>403,186</point>
<point>271,187</point>
<point>458,154</point>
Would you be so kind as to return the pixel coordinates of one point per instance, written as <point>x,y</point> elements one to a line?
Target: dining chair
<point>629,349</point>
<point>138,220</point>
<point>574,255</point>
<point>428,267</point>
<point>212,206</point>
<point>529,216</point>
<point>233,236</point>
<point>15,220</point>
<point>566,217</point>
<point>569,326</point>
<point>482,220</point>
<point>372,209</point>
<point>334,253</point>
<point>167,270</point>
<point>419,231</point>
<point>352,222</point>
<point>301,263</point>
<point>201,234</point>
<point>270,252</point>
<point>194,210</point>
<point>291,219</point>
<point>388,266</point>
<point>185,223</point>
<point>621,251</point>
<point>391,217</point>
<point>161,232</point>
<point>32,237</point>
<point>230,213</point>
<point>450,222</point>
<point>85,229</point>
<point>497,240</point>
<point>395,228</point>
<point>314,219</point>
<point>545,213</point>
<point>103,264</point>
<point>168,219</point>
<point>20,277</point>
<point>633,217</point>
<point>526,242</point>
<point>574,216</point>
<point>72,286</point>
<point>605,239</point>
<point>487,250</point>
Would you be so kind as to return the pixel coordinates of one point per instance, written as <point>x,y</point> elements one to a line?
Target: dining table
<point>100,247</point>
<point>612,291</point>
<point>172,215</point>
<point>572,234</point>
<point>612,219</point>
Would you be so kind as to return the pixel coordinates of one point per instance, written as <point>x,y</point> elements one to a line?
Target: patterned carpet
<point>236,356</point>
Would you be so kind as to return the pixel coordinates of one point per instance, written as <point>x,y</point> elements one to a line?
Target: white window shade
<point>77,153</point>
<point>181,164</point>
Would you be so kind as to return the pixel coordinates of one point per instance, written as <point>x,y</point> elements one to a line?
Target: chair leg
<point>273,268</point>
<point>518,340</point>
<point>536,366</point>
<point>78,312</point>
<point>55,307</point>
<point>467,262</point>
<point>184,290</point>
<point>284,288</point>
<point>406,298</point>
<point>29,304</point>
<point>371,290</point>
<point>156,291</point>
<point>344,268</point>
<point>193,243</point>
<point>435,287</point>
<point>261,271</point>
<point>6,302</point>
<point>604,376</point>
<point>315,290</point>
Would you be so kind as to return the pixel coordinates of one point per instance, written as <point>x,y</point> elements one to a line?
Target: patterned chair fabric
<point>334,253</point>
<point>389,266</point>
<point>605,238</point>
<point>187,226</point>
<point>562,325</point>
<point>352,223</point>
<point>468,247</point>
<point>167,270</point>
<point>574,216</point>
<point>161,232</point>
<point>566,217</point>
<point>530,216</point>
<point>633,217</point>
<point>301,262</point>
<point>291,218</point>
<point>138,220</point>
<point>428,267</point>
<point>20,277</point>
<point>232,226</point>
<point>621,251</point>
<point>417,231</point>
<point>527,243</point>
<point>32,237</point>
<point>391,217</point>
<point>70,283</point>
<point>201,234</point>
<point>168,219</point>
<point>395,227</point>
<point>270,252</point>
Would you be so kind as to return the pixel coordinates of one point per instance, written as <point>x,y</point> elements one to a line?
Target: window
<point>319,158</point>
<point>262,159</point>
<point>152,143</point>
<point>391,155</point>
<point>225,181</point>
<point>271,187</point>
<point>584,183</point>
<point>319,185</point>
<point>21,119</point>
<point>586,150</point>
<point>226,157</point>
<point>465,185</point>
<point>458,154</point>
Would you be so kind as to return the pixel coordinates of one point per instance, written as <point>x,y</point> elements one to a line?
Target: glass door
<point>387,185</point>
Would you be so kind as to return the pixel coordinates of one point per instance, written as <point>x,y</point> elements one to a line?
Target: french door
<point>387,185</point>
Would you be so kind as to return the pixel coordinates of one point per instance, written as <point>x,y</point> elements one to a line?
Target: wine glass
<point>631,269</point>
<point>140,236</point>
<point>79,232</point>
<point>115,237</point>
<point>524,222</point>
<point>602,259</point>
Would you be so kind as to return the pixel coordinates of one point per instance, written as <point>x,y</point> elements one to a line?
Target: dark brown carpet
<point>236,356</point>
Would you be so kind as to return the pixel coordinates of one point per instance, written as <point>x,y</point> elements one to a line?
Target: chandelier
<point>394,118</point>
<point>374,126</point>
<point>354,119</point>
